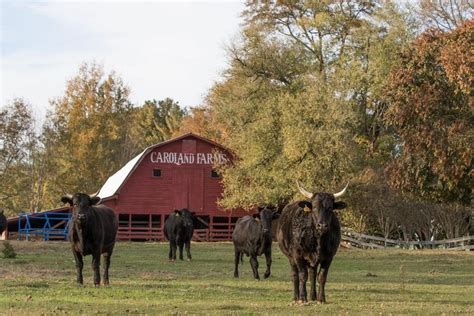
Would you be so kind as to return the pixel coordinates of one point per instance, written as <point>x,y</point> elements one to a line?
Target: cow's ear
<point>66,199</point>
<point>95,200</point>
<point>305,204</point>
<point>340,205</point>
<point>276,215</point>
<point>177,212</point>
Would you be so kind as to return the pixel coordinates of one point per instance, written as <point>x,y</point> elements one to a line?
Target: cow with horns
<point>92,231</point>
<point>309,234</point>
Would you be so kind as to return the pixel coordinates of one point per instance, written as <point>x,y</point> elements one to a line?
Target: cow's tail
<point>241,258</point>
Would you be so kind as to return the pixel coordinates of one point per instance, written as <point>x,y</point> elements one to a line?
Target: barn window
<point>157,172</point>
<point>215,174</point>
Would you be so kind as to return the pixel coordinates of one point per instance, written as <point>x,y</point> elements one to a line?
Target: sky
<point>160,49</point>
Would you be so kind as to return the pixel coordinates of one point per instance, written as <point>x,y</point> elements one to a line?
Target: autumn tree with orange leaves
<point>431,112</point>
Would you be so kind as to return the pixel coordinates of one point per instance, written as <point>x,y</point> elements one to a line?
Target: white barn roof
<point>114,182</point>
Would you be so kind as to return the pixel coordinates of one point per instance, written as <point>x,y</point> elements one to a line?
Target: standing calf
<point>179,229</point>
<point>253,237</point>
<point>92,231</point>
<point>309,234</point>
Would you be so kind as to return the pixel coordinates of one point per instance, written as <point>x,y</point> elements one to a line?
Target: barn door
<point>188,189</point>
<point>180,189</point>
<point>196,191</point>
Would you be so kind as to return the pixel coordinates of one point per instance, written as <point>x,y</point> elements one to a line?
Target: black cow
<point>253,237</point>
<point>3,222</point>
<point>309,234</point>
<point>92,231</point>
<point>179,229</point>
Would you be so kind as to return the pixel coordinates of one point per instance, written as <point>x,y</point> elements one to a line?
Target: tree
<point>444,15</point>
<point>320,28</point>
<point>430,97</point>
<point>157,121</point>
<point>201,121</point>
<point>454,220</point>
<point>89,130</point>
<point>372,51</point>
<point>303,89</point>
<point>280,137</point>
<point>17,143</point>
<point>381,215</point>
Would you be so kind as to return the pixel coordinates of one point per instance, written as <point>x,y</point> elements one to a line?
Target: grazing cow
<point>253,237</point>
<point>179,229</point>
<point>309,234</point>
<point>3,222</point>
<point>92,231</point>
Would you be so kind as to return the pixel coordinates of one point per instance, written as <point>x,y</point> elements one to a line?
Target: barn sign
<point>179,159</point>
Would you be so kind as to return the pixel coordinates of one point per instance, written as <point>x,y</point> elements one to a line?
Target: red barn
<point>177,173</point>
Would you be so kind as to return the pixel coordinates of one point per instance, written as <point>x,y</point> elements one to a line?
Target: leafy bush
<point>8,251</point>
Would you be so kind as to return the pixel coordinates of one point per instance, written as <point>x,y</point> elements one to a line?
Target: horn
<point>339,194</point>
<point>94,194</point>
<point>307,194</point>
<point>67,198</point>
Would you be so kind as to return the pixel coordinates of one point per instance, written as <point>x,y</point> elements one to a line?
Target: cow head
<point>266,214</point>
<point>81,204</point>
<point>186,215</point>
<point>322,206</point>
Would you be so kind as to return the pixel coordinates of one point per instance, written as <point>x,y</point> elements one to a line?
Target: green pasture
<point>41,280</point>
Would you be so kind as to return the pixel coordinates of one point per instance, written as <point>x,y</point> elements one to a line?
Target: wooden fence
<point>353,239</point>
<point>156,233</point>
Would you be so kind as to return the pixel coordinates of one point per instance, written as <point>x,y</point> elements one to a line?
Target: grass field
<point>42,280</point>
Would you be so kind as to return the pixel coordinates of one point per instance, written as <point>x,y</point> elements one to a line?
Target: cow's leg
<point>180,245</point>
<point>96,268</point>
<point>268,257</point>
<point>254,264</point>
<point>322,276</point>
<point>312,279</point>
<point>107,256</point>
<point>188,250</point>
<point>172,255</point>
<point>236,261</point>
<point>296,283</point>
<point>175,248</point>
<point>303,277</point>
<point>79,266</point>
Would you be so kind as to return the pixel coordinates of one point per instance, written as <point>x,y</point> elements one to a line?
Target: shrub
<point>8,251</point>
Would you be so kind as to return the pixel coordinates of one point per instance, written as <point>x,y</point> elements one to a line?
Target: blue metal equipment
<point>44,225</point>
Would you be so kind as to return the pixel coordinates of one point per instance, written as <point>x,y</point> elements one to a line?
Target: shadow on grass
<point>415,279</point>
<point>231,307</point>
<point>33,285</point>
